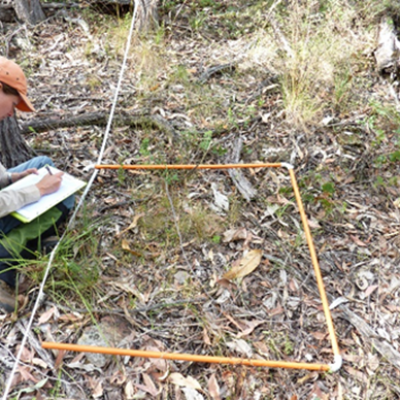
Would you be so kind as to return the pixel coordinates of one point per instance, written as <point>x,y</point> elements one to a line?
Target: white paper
<point>69,185</point>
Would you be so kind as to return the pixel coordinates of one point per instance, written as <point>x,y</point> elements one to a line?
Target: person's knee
<point>41,161</point>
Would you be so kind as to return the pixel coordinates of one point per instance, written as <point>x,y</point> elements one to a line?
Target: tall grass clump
<point>323,45</point>
<point>316,49</point>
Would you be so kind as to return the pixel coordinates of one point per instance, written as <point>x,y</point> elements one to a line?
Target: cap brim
<point>25,104</point>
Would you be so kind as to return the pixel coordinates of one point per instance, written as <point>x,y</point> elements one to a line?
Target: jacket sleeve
<point>3,177</point>
<point>11,200</point>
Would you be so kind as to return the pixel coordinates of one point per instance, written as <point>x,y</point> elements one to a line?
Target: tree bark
<point>29,11</point>
<point>13,148</point>
<point>7,13</point>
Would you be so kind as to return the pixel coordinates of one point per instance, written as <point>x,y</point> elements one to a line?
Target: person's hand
<point>50,183</point>
<point>16,176</point>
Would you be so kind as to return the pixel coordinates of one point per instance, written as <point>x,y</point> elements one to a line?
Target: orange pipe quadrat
<point>185,357</point>
<point>190,166</point>
<point>225,360</point>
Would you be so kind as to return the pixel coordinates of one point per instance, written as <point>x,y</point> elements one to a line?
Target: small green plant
<point>288,347</point>
<point>342,88</point>
<point>206,142</point>
<point>216,239</point>
<point>144,147</point>
<point>121,175</point>
<point>395,156</point>
<point>197,21</point>
<point>328,188</point>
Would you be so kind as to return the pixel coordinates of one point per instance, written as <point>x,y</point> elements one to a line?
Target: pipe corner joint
<point>287,165</point>
<point>337,364</point>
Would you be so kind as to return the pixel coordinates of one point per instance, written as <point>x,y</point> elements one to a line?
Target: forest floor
<point>145,265</point>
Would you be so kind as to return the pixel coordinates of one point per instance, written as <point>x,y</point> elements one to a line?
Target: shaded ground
<point>144,264</point>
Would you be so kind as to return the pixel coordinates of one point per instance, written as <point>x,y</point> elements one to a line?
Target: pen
<point>49,170</point>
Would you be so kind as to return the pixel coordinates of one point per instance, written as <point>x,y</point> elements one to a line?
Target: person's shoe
<point>7,298</point>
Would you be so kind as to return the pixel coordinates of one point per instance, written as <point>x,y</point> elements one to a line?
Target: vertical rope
<point>70,224</point>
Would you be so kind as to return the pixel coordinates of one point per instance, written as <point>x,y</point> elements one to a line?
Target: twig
<point>135,311</point>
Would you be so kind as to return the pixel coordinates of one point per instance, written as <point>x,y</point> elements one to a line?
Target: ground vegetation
<point>146,264</point>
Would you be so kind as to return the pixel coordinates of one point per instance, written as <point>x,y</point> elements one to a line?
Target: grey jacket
<point>11,200</point>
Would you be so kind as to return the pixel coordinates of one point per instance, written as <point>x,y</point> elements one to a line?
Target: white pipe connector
<point>89,167</point>
<point>287,165</point>
<point>337,364</point>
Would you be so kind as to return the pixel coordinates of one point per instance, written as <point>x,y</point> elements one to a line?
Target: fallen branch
<point>216,69</point>
<point>241,182</point>
<point>122,118</point>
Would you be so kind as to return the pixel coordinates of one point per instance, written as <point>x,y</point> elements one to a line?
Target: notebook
<point>69,185</point>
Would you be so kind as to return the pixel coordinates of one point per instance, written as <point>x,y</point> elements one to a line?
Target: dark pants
<point>8,260</point>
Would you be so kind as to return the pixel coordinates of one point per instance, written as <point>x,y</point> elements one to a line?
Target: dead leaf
<point>247,265</point>
<point>234,234</point>
<point>357,241</point>
<point>251,326</point>
<point>129,391</point>
<point>26,355</point>
<point>241,347</point>
<point>98,390</point>
<point>59,359</point>
<point>71,317</point>
<point>133,224</point>
<point>319,335</point>
<point>370,290</point>
<point>221,201</point>
<point>308,377</point>
<point>47,315</point>
<point>358,374</point>
<point>24,375</point>
<point>313,224</point>
<point>150,386</point>
<point>125,246</point>
<point>213,388</point>
<point>373,362</point>
<point>191,394</point>
<point>39,362</point>
<point>206,338</point>
<point>178,379</point>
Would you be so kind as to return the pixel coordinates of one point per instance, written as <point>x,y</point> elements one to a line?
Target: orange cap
<point>12,75</point>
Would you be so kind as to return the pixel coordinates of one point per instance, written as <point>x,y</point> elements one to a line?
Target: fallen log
<point>121,118</point>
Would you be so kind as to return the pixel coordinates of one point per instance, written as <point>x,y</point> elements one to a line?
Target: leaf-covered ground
<point>145,266</point>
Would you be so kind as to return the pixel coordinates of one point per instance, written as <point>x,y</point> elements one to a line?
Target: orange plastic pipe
<point>190,166</point>
<point>317,270</point>
<point>314,259</point>
<point>185,357</point>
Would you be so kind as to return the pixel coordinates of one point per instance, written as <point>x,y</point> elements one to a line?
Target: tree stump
<point>29,11</point>
<point>13,148</point>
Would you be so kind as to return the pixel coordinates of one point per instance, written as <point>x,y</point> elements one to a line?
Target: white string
<point>73,217</point>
